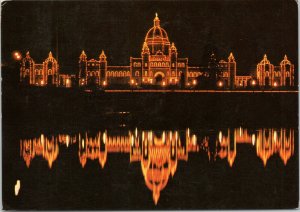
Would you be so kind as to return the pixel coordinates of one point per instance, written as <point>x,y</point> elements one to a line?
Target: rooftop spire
<point>156,20</point>
<point>82,55</point>
<point>231,57</point>
<point>102,56</point>
<point>173,47</point>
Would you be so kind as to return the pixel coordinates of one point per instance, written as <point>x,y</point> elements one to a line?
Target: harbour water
<point>135,168</point>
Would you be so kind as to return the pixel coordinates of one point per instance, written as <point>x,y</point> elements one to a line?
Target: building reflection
<point>158,152</point>
<point>42,146</point>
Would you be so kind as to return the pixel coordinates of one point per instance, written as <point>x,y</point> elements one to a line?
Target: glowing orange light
<point>163,83</point>
<point>220,83</point>
<point>42,82</point>
<point>17,55</point>
<point>275,84</point>
<point>194,82</point>
<point>253,82</point>
<point>132,81</point>
<point>104,83</point>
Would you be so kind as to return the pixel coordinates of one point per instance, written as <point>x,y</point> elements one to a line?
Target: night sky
<point>247,28</point>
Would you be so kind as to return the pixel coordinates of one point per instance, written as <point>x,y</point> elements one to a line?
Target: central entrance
<point>159,77</point>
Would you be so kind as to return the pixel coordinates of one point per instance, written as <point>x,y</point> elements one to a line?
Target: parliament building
<point>159,65</point>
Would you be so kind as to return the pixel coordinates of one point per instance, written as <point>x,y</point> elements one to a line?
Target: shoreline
<point>50,108</point>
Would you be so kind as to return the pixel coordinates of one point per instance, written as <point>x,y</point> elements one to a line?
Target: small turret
<point>27,54</point>
<point>231,70</point>
<point>231,58</point>
<point>173,48</point>
<point>82,56</point>
<point>50,54</point>
<point>156,20</point>
<point>145,49</point>
<point>102,57</point>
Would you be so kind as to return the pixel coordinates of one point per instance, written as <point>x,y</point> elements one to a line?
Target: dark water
<point>136,168</point>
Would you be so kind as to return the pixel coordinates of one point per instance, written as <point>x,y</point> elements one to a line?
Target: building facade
<point>269,75</point>
<point>46,73</point>
<point>160,65</point>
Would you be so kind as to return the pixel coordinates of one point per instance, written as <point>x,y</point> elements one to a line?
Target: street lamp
<point>68,83</point>
<point>194,82</point>
<point>253,83</point>
<point>220,84</point>
<point>132,81</point>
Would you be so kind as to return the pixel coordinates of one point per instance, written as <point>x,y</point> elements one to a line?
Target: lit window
<point>267,74</point>
<point>146,65</point>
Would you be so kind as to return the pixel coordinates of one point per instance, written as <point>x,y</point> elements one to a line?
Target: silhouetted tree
<point>213,70</point>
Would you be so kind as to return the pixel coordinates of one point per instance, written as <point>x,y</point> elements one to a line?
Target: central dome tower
<point>157,39</point>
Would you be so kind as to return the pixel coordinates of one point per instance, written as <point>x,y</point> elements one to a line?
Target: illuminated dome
<point>157,38</point>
